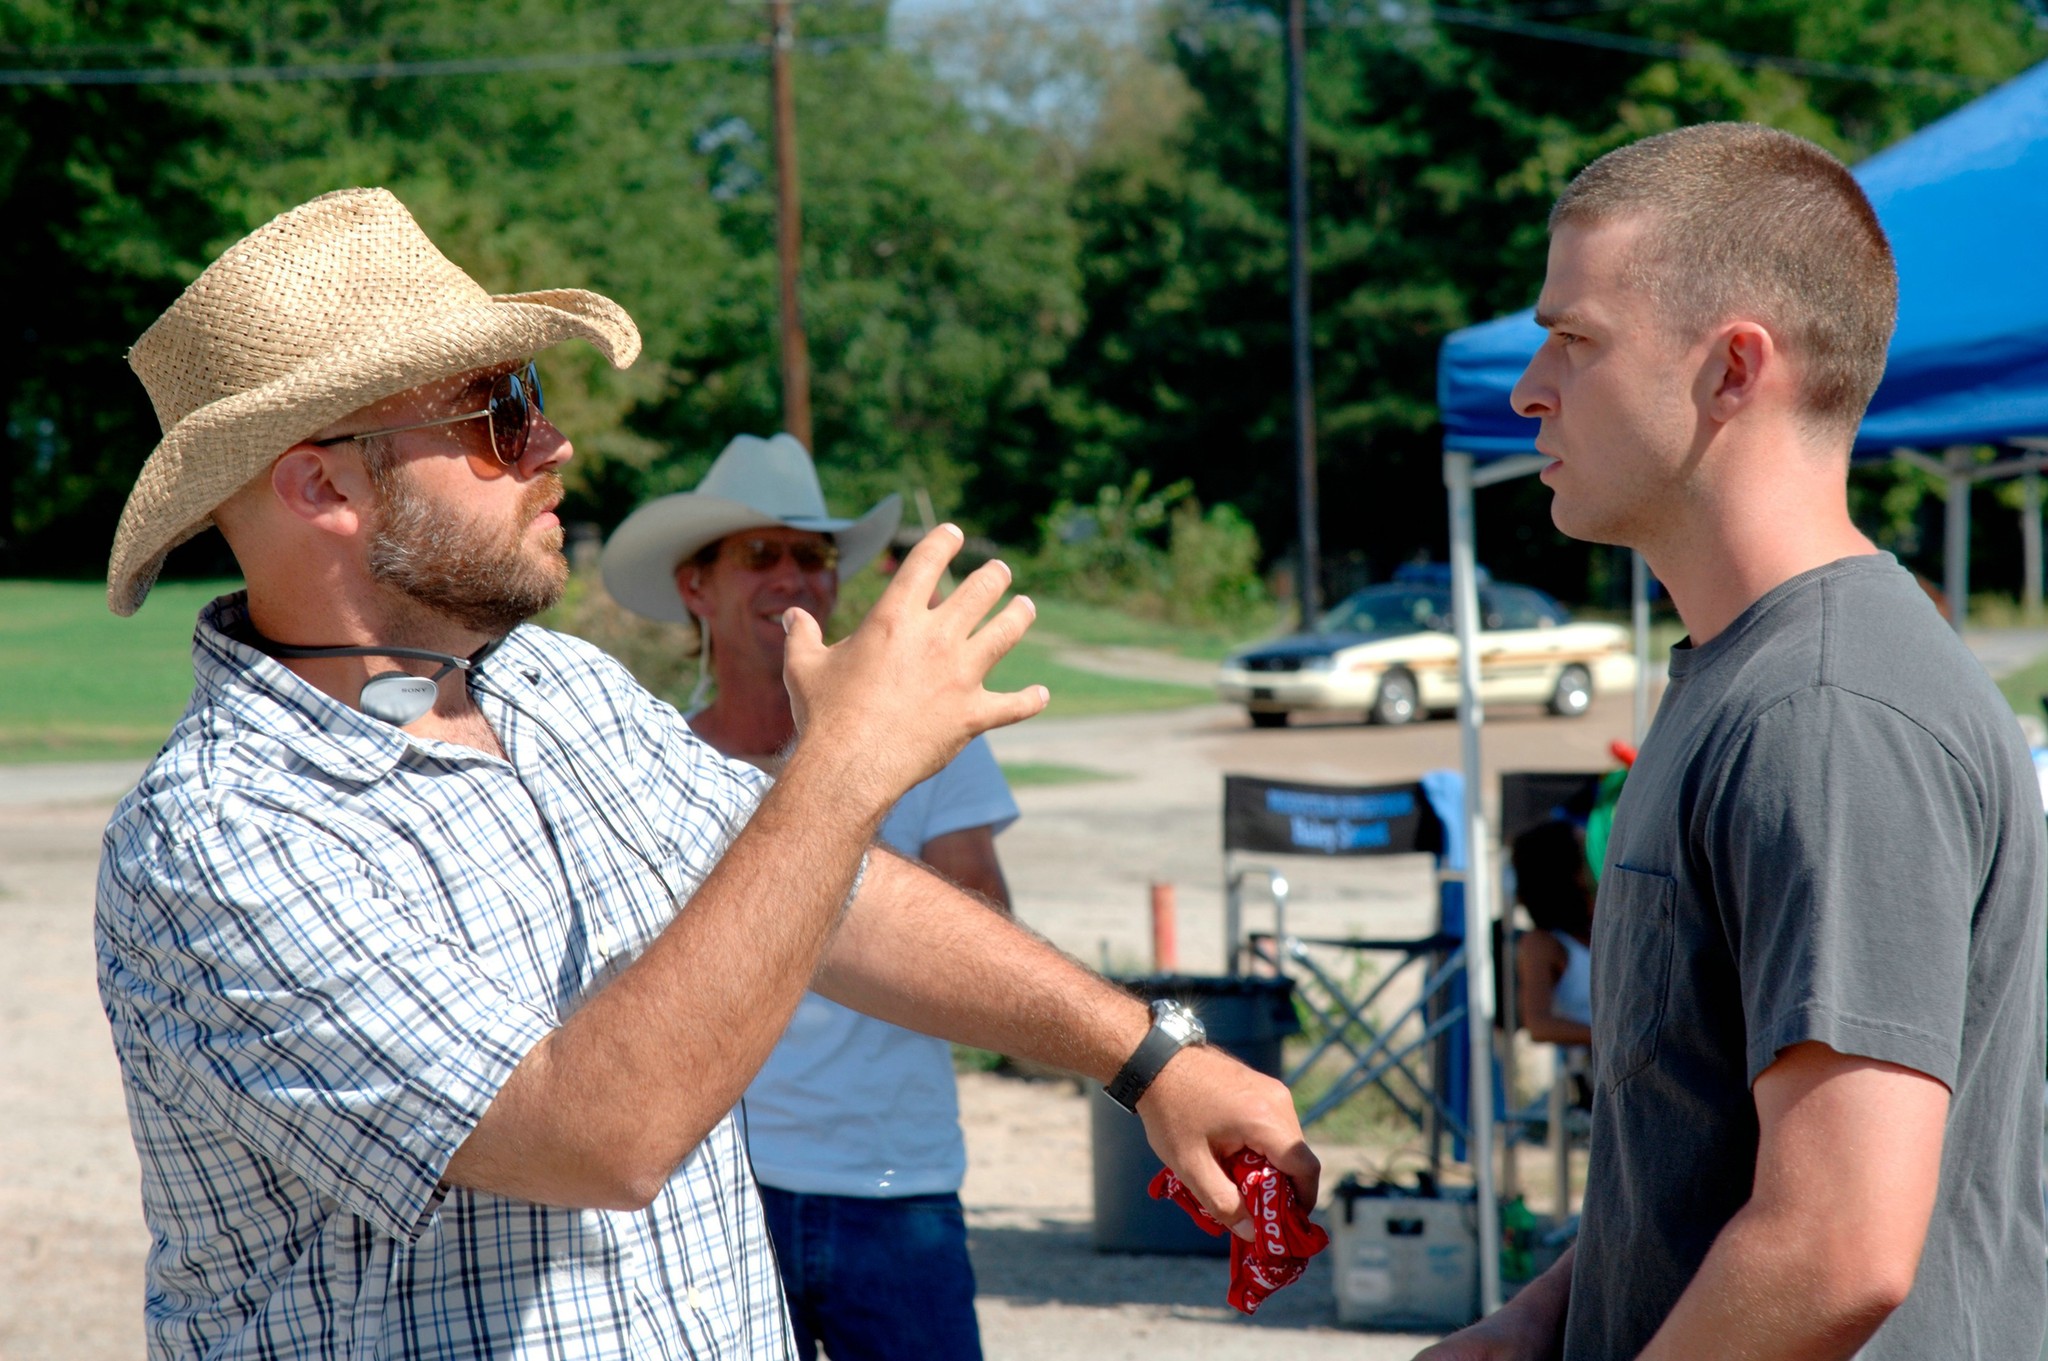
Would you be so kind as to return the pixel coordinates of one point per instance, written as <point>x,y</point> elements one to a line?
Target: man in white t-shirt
<point>853,1123</point>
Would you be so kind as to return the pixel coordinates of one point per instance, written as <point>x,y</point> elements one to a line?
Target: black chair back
<point>1287,817</point>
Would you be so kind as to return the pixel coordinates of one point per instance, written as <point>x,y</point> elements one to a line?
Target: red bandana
<point>1283,1240</point>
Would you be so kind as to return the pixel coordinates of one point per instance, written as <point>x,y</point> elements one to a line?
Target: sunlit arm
<point>916,951</point>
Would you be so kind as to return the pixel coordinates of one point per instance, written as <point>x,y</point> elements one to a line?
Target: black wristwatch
<point>1174,1028</point>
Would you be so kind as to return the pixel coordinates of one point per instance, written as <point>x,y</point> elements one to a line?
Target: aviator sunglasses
<point>514,401</point>
<point>762,555</point>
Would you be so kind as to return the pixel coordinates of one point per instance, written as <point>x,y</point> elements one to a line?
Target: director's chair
<point>1265,821</point>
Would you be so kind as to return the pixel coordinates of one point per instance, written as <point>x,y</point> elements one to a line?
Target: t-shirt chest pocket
<point>1633,940</point>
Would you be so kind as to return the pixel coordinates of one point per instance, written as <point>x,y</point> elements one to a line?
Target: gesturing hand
<point>896,700</point>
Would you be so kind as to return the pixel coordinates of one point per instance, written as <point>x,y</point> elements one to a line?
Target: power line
<point>1397,11</point>
<point>1388,11</point>
<point>414,70</point>
<point>1687,51</point>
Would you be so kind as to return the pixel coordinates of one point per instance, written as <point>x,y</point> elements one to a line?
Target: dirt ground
<point>1080,863</point>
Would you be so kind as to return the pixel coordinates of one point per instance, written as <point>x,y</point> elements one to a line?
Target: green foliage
<point>1434,154</point>
<point>660,656</point>
<point>2024,689</point>
<point>938,273</point>
<point>968,1059</point>
<point>1022,774</point>
<point>1110,553</point>
<point>1055,268</point>
<point>1104,551</point>
<point>1104,625</point>
<point>1212,567</point>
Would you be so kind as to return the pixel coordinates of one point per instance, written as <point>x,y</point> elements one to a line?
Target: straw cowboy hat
<point>754,484</point>
<point>319,312</point>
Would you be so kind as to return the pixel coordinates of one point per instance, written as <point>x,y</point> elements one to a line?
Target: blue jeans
<point>876,1279</point>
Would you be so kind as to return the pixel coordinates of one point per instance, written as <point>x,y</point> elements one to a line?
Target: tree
<point>1435,152</point>
<point>939,276</point>
<point>102,224</point>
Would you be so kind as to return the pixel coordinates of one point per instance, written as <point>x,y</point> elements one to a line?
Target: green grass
<point>2023,688</point>
<point>1078,694</point>
<point>968,1059</point>
<point>1102,626</point>
<point>1022,773</point>
<point>1368,1117</point>
<point>77,683</point>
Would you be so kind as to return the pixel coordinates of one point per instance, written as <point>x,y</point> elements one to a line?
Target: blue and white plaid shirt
<point>323,946</point>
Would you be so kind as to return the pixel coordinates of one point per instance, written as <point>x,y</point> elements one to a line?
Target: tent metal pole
<point>1639,619</point>
<point>1957,464</point>
<point>1479,880</point>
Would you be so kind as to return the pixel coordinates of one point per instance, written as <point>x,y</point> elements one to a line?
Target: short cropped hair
<point>1749,220</point>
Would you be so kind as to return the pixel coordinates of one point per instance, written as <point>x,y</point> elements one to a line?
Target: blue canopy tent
<point>1965,205</point>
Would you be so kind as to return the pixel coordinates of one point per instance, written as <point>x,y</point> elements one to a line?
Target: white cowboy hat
<point>755,483</point>
<point>321,311</point>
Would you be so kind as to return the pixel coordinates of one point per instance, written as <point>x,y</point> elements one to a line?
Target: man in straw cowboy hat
<point>436,950</point>
<point>853,1123</point>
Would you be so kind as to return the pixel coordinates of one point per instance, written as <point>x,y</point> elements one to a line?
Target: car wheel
<point>1268,718</point>
<point>1397,702</point>
<point>1574,692</point>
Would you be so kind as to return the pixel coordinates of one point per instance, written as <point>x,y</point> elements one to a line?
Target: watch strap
<point>1144,1064</point>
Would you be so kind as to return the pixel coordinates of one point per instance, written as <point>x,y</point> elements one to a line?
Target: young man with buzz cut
<point>1818,946</point>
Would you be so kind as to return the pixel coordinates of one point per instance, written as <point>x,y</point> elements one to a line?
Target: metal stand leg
<point>1560,1139</point>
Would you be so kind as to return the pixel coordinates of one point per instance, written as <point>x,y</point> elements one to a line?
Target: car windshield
<point>1521,607</point>
<point>1387,609</point>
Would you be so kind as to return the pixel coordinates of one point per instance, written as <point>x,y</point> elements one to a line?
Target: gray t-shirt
<point>1833,833</point>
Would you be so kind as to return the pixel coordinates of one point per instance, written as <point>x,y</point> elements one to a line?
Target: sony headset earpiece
<point>399,697</point>
<point>394,697</point>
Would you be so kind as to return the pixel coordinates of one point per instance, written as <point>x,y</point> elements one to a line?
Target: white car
<point>1389,651</point>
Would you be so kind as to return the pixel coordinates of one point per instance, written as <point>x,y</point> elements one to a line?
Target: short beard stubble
<point>485,578</point>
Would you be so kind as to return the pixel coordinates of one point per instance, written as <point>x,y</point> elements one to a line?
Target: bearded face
<point>481,573</point>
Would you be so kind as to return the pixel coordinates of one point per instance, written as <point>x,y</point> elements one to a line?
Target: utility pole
<point>796,353</point>
<point>1310,586</point>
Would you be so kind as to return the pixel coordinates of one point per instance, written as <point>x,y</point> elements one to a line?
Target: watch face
<point>1179,1022</point>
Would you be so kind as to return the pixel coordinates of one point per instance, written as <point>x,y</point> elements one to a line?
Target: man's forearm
<point>917,952</point>
<point>602,1111</point>
<point>1768,1290</point>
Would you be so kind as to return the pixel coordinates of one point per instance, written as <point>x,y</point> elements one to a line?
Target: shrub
<point>1154,554</point>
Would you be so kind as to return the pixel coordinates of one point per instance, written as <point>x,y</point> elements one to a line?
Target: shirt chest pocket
<point>1634,937</point>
